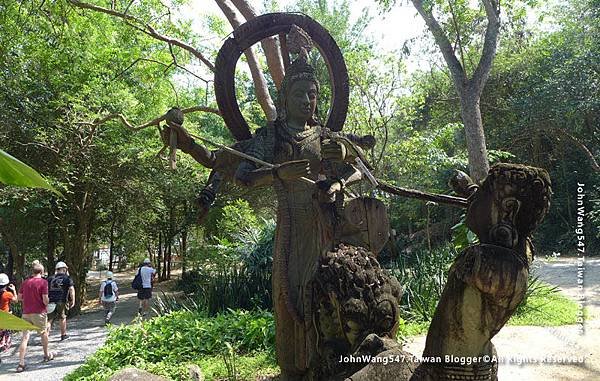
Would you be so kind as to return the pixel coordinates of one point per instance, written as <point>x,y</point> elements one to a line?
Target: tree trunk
<point>468,89</point>
<point>111,244</point>
<point>18,263</point>
<point>270,45</point>
<point>166,249</point>
<point>471,116</point>
<point>184,234</point>
<point>159,254</point>
<point>150,252</point>
<point>51,245</point>
<point>260,83</point>
<point>10,266</point>
<point>16,259</point>
<point>168,265</point>
<point>76,240</point>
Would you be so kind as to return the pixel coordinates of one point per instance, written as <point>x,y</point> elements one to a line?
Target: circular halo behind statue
<point>258,29</point>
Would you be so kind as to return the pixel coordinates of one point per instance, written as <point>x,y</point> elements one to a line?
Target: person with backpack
<point>61,292</point>
<point>142,282</point>
<point>109,295</point>
<point>8,295</point>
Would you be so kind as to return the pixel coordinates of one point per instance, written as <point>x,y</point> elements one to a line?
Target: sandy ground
<point>521,343</point>
<point>86,333</point>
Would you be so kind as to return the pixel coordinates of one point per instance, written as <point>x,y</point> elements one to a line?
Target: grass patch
<point>545,307</point>
<point>248,367</point>
<point>407,329</point>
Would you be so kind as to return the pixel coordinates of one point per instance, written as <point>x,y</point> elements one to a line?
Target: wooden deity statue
<point>487,281</point>
<point>331,298</point>
<point>309,166</point>
<point>305,219</point>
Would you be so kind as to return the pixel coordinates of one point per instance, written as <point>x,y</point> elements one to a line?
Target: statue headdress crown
<point>300,43</point>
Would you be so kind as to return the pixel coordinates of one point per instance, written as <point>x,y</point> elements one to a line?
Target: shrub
<point>423,276</point>
<point>241,283</point>
<point>168,342</point>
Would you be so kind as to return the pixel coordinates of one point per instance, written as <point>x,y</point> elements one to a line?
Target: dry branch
<point>260,83</point>
<point>270,45</point>
<point>582,147</point>
<point>154,122</point>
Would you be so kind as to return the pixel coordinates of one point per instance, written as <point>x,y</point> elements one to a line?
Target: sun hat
<point>147,261</point>
<point>61,265</point>
<point>4,279</point>
<point>109,274</point>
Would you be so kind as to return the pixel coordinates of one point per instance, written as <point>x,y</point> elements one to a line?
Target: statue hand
<point>292,170</point>
<point>184,140</point>
<point>330,186</point>
<point>332,150</point>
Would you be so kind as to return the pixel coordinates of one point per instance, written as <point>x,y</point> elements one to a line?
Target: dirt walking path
<point>521,343</point>
<point>86,333</point>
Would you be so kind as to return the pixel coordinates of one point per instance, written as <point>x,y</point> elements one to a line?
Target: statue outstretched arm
<point>187,144</point>
<point>248,175</point>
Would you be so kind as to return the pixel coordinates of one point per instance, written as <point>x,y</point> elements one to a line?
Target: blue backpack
<point>136,284</point>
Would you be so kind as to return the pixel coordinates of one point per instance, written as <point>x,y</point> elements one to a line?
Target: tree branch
<point>582,147</point>
<point>458,39</point>
<point>260,83</point>
<point>270,45</point>
<point>490,42</point>
<point>153,122</point>
<point>147,29</point>
<point>456,69</point>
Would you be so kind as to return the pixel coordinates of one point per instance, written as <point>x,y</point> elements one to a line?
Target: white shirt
<point>147,273</point>
<point>112,298</point>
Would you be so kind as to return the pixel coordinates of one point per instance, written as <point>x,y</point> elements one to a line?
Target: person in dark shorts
<point>144,294</point>
<point>61,293</point>
<point>109,295</point>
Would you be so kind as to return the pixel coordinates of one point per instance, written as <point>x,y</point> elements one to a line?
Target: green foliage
<point>423,276</point>
<point>544,305</point>
<point>248,368</point>
<point>150,344</point>
<point>164,304</point>
<point>462,236</point>
<point>15,172</point>
<point>14,323</point>
<point>541,104</point>
<point>243,280</point>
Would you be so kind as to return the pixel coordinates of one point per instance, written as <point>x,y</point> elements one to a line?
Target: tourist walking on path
<point>34,295</point>
<point>8,295</point>
<point>147,274</point>
<point>109,295</point>
<point>61,292</point>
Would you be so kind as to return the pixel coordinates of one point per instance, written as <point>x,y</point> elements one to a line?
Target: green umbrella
<point>13,323</point>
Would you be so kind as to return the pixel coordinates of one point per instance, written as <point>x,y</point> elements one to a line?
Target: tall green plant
<point>423,276</point>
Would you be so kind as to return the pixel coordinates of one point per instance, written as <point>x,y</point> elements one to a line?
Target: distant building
<point>102,257</point>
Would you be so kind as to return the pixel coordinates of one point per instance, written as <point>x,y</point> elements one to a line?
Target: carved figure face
<point>492,216</point>
<point>301,101</point>
<point>511,202</point>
